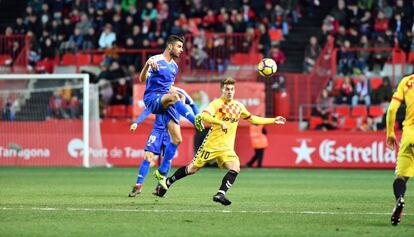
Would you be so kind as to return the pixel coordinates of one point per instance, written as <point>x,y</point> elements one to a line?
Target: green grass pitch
<point>267,202</point>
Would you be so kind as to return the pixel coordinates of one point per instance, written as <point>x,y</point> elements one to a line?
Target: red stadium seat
<point>359,111</point>
<point>68,59</point>
<point>411,57</point>
<point>276,34</point>
<point>376,82</point>
<point>238,58</point>
<point>116,111</point>
<point>314,121</point>
<point>337,83</point>
<point>4,58</point>
<point>398,56</point>
<point>130,110</point>
<point>343,110</point>
<point>254,58</point>
<point>350,123</point>
<point>97,59</point>
<point>376,111</point>
<point>83,59</point>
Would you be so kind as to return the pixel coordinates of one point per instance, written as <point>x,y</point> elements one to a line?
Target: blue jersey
<point>158,84</point>
<point>160,81</point>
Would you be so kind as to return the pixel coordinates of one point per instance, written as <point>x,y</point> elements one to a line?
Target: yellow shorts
<point>203,157</point>
<point>405,160</point>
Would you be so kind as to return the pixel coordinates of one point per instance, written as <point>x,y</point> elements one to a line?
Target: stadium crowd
<point>63,26</point>
<point>361,25</point>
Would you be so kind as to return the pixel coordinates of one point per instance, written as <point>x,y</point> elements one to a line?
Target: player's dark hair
<point>227,81</point>
<point>172,39</point>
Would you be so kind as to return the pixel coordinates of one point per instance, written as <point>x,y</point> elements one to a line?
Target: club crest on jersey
<point>409,83</point>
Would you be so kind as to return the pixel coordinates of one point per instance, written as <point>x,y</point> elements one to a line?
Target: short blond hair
<point>227,81</point>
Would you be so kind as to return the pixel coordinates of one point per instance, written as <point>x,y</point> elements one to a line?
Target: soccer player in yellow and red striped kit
<point>223,114</point>
<point>405,162</point>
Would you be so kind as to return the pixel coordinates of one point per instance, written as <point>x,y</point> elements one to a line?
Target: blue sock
<point>143,171</point>
<point>170,151</point>
<point>194,108</point>
<point>183,111</point>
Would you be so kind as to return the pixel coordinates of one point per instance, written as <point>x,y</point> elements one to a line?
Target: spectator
<point>339,13</point>
<point>126,4</point>
<point>346,92</point>
<point>384,92</point>
<point>328,125</point>
<point>325,105</point>
<point>264,41</point>
<point>199,57</point>
<point>362,91</point>
<point>149,12</point>
<point>362,55</point>
<point>259,143</point>
<point>84,24</point>
<point>368,125</point>
<point>378,58</point>
<point>312,52</point>
<point>277,55</point>
<point>57,107</point>
<point>19,27</point>
<point>74,107</point>
<point>7,114</point>
<point>121,92</point>
<point>107,37</point>
<point>346,59</point>
<point>381,23</point>
<point>90,40</point>
<point>74,42</point>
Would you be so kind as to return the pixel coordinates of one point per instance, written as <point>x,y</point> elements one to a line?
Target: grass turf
<point>268,202</point>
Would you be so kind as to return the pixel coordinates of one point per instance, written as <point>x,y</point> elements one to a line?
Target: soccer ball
<point>267,67</point>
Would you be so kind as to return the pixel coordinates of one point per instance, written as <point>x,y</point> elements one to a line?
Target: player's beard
<point>173,54</point>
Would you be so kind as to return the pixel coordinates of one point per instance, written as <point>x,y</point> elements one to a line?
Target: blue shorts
<point>153,103</point>
<point>157,141</point>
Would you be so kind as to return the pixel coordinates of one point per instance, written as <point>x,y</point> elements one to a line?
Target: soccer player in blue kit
<point>160,72</point>
<point>157,140</point>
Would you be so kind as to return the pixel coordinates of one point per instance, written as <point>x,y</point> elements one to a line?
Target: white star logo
<point>303,153</point>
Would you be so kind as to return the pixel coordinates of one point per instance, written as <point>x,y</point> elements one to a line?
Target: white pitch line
<point>192,211</point>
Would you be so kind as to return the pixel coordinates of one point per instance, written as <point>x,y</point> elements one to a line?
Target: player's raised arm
<point>261,120</point>
<point>139,120</point>
<point>144,72</point>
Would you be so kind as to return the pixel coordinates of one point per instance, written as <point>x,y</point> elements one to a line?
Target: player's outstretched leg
<point>226,184</point>
<point>183,111</point>
<point>180,173</point>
